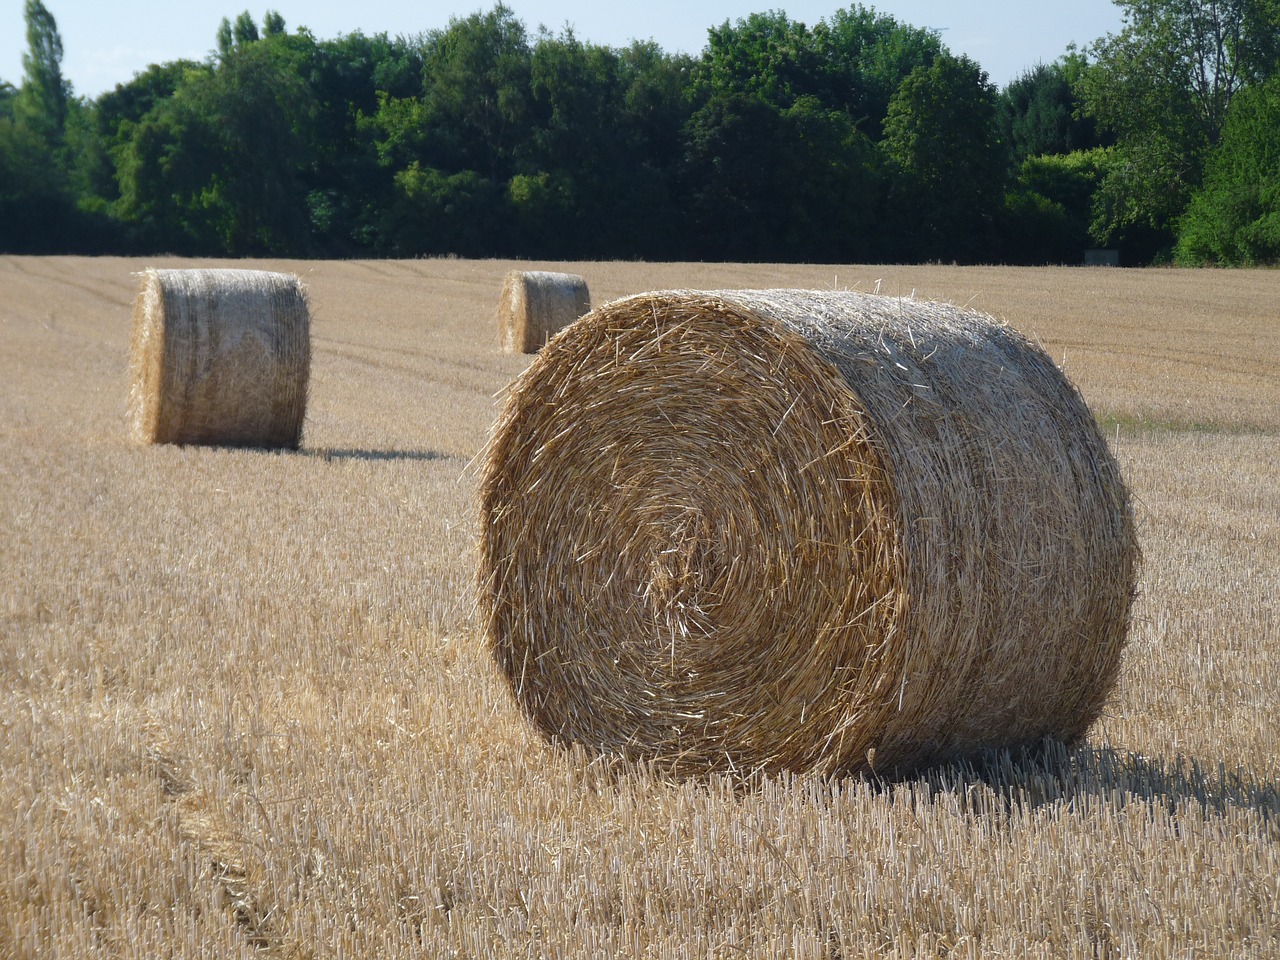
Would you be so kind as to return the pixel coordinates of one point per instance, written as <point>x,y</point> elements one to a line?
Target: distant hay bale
<point>535,305</point>
<point>219,357</point>
<point>798,530</point>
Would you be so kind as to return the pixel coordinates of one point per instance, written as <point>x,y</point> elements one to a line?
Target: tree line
<point>858,139</point>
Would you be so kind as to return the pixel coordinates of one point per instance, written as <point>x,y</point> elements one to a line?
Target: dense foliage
<point>859,138</point>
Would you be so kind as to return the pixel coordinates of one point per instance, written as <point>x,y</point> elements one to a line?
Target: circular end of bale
<point>219,357</point>
<point>764,530</point>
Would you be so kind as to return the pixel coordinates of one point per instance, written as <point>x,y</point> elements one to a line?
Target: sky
<point>107,42</point>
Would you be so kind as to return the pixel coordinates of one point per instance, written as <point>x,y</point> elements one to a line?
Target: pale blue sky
<point>106,42</point>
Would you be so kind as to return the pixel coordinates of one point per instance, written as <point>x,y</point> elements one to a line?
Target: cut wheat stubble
<point>801,530</point>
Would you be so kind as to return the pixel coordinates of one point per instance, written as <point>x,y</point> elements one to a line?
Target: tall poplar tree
<point>42,101</point>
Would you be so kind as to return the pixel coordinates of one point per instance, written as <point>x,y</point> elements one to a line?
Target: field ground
<point>244,709</point>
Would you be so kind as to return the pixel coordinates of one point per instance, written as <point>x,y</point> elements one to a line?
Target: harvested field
<point>246,709</point>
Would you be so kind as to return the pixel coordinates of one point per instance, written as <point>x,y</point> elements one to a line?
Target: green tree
<point>226,39</point>
<point>772,184</point>
<point>90,172</point>
<point>947,164</point>
<point>475,97</point>
<point>1040,112</point>
<point>117,113</point>
<point>604,172</point>
<point>30,191</point>
<point>779,159</point>
<point>655,105</point>
<point>1163,87</point>
<point>129,102</point>
<point>833,185</point>
<point>656,99</point>
<point>443,213</point>
<point>1256,46</point>
<point>42,101</point>
<point>350,186</point>
<point>854,61</point>
<point>222,166</point>
<point>734,162</point>
<point>544,217</point>
<point>453,147</point>
<point>244,30</point>
<point>765,55</point>
<point>575,102</point>
<point>1048,211</point>
<point>579,140</point>
<point>8,94</point>
<point>1234,219</point>
<point>156,183</point>
<point>865,56</point>
<point>41,167</point>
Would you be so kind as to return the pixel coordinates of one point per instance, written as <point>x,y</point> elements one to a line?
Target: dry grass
<point>245,708</point>
<point>786,529</point>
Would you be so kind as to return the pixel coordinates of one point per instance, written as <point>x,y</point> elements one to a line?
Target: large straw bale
<point>799,530</point>
<point>535,305</point>
<point>219,357</point>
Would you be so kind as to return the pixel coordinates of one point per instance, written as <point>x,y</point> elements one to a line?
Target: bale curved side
<point>219,357</point>
<point>802,530</point>
<point>535,305</point>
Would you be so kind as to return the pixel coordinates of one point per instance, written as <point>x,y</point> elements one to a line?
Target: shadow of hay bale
<point>1051,773</point>
<point>350,453</point>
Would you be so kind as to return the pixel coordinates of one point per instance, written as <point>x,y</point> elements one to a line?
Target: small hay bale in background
<point>802,530</point>
<point>219,357</point>
<point>535,305</point>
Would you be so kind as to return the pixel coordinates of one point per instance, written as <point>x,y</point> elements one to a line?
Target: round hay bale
<point>535,305</point>
<point>802,530</point>
<point>219,357</point>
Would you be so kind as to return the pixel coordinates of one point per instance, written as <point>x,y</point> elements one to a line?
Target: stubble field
<point>245,710</point>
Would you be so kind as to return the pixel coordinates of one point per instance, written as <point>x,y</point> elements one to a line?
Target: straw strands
<point>802,530</point>
<point>219,357</point>
<point>535,305</point>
